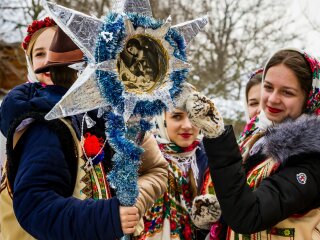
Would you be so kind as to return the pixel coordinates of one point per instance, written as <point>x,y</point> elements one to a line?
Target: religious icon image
<point>142,64</point>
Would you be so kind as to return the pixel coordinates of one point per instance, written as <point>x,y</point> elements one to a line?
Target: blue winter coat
<point>41,199</point>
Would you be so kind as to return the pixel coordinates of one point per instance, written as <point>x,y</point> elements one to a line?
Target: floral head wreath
<point>34,27</point>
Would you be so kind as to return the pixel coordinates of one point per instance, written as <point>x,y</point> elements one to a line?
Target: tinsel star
<point>135,66</point>
<point>87,92</point>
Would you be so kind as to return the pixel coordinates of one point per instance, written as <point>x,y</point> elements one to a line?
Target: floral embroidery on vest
<point>173,207</point>
<point>254,178</point>
<point>95,180</point>
<point>283,232</point>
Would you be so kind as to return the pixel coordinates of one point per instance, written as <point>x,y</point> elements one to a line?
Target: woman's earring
<point>165,123</point>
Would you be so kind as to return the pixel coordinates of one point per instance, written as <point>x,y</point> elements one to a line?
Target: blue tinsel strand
<point>107,81</point>
<point>147,108</point>
<point>115,132</point>
<point>115,121</point>
<point>177,41</point>
<point>124,174</point>
<point>106,51</point>
<point>127,187</point>
<point>145,125</point>
<point>144,21</point>
<point>177,77</point>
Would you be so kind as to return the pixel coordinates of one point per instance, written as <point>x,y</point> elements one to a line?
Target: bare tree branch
<point>236,42</point>
<point>240,36</point>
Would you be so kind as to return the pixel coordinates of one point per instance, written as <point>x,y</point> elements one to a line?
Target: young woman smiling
<point>36,45</point>
<point>253,94</point>
<point>270,188</point>
<point>180,142</point>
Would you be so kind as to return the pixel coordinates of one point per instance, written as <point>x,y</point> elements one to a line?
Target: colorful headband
<point>260,70</point>
<point>34,27</point>
<point>313,103</point>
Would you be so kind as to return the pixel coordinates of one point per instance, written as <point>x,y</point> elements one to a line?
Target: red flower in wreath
<point>34,27</point>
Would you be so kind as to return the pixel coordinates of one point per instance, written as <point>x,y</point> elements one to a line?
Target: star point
<point>86,31</point>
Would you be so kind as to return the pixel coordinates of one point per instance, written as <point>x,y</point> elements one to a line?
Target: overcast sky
<point>297,10</point>
<point>300,8</point>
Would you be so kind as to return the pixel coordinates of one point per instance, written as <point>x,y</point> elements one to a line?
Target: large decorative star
<point>86,31</point>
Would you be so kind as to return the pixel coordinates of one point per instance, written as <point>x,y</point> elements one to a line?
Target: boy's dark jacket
<point>48,206</point>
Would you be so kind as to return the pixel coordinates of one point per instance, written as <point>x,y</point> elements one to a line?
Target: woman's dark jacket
<point>296,146</point>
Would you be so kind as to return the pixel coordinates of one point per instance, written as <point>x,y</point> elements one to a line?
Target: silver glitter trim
<point>191,28</point>
<point>132,6</point>
<point>81,28</point>
<point>84,95</point>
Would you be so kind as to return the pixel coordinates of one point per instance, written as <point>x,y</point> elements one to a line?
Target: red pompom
<point>92,145</point>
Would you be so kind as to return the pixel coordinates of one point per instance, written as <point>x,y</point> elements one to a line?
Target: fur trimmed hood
<point>292,137</point>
